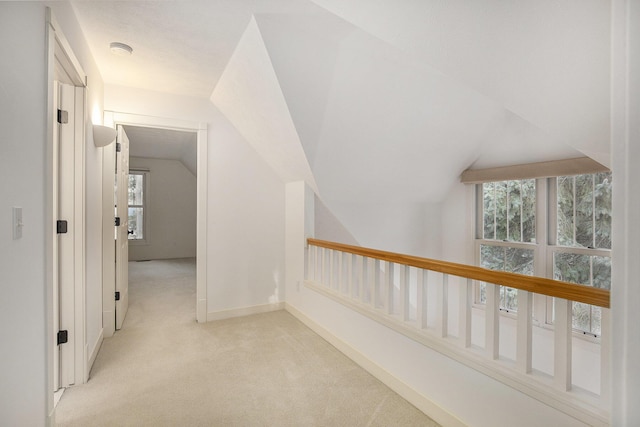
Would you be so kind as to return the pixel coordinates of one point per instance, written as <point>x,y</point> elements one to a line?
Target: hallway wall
<point>171,213</point>
<point>245,235</point>
<point>25,396</point>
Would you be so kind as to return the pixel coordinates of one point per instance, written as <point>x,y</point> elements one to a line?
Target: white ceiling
<point>395,98</point>
<point>179,47</point>
<point>163,144</point>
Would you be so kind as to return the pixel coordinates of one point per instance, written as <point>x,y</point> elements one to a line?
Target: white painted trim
<point>581,407</point>
<point>58,48</point>
<point>112,118</point>
<point>94,353</point>
<point>202,178</point>
<point>431,409</point>
<point>244,311</point>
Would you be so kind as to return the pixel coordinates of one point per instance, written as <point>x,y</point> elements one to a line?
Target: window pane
<point>492,257</point>
<point>602,195</point>
<point>584,270</point>
<point>136,223</point>
<point>501,210</point>
<point>601,272</point>
<point>584,210</point>
<point>514,206</point>
<point>519,261</point>
<point>513,260</point>
<point>581,316</point>
<point>509,210</point>
<point>565,210</point>
<point>574,268</point>
<point>136,189</point>
<point>488,197</point>
<point>529,210</point>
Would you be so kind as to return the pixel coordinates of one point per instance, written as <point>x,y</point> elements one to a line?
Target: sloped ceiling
<point>388,100</point>
<point>163,144</point>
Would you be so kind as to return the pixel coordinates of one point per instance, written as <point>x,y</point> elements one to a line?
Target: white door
<point>122,212</point>
<point>64,229</point>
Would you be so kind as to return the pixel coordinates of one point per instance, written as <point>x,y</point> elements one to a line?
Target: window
<point>508,233</point>
<point>137,205</point>
<point>575,235</point>
<point>581,252</point>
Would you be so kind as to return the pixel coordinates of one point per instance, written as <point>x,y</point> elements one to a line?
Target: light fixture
<point>120,49</point>
<point>103,135</point>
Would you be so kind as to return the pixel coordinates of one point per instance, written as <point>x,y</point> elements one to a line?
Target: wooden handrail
<point>538,285</point>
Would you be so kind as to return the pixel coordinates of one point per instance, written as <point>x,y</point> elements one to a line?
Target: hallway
<point>164,369</point>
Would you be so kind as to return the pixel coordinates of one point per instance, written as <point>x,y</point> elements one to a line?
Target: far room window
<point>137,205</point>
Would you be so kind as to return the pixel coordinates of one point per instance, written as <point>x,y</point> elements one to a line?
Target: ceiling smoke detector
<point>120,49</point>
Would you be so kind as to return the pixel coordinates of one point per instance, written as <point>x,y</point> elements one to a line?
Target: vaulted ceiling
<point>363,100</point>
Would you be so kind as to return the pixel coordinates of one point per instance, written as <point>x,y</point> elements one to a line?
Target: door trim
<point>112,118</point>
<point>59,50</point>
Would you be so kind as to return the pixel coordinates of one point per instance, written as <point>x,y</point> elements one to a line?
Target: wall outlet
<point>17,223</point>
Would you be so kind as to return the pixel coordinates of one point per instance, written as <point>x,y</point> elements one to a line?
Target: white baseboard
<point>244,311</point>
<point>418,400</point>
<point>94,352</point>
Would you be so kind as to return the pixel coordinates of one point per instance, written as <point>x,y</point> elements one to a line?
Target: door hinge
<point>117,221</point>
<point>117,296</point>
<point>63,337</point>
<point>63,116</point>
<point>61,226</point>
<point>118,147</point>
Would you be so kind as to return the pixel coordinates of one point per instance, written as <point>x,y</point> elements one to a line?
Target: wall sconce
<point>103,135</point>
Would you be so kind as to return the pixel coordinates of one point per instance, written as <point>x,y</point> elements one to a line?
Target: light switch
<point>17,223</point>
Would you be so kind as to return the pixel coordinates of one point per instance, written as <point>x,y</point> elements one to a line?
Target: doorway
<point>142,231</point>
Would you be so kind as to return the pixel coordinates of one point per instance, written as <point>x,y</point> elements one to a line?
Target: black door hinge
<point>117,296</point>
<point>63,337</point>
<point>63,116</point>
<point>61,226</point>
<point>118,147</point>
<point>117,221</point>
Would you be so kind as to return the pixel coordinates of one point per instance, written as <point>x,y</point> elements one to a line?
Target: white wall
<point>171,212</point>
<point>22,262</point>
<point>24,390</point>
<point>410,228</point>
<point>245,241</point>
<point>447,386</point>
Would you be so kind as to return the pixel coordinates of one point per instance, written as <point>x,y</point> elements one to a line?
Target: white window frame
<point>145,205</point>
<point>545,247</point>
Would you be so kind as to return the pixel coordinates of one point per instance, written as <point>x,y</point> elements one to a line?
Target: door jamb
<point>112,118</point>
<point>58,48</point>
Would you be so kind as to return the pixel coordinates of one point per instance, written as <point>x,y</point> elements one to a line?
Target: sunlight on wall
<point>96,115</point>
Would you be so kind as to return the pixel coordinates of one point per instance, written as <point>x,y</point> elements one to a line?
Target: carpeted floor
<point>164,369</point>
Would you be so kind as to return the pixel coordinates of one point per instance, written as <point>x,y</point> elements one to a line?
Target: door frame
<point>61,59</point>
<point>112,119</point>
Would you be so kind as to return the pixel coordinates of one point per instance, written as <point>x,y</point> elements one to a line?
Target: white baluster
<point>375,293</point>
<point>387,294</point>
<point>359,276</point>
<point>492,322</point>
<point>524,335</point>
<point>421,300</point>
<point>443,307</point>
<point>466,287</point>
<point>405,275</point>
<point>562,344</point>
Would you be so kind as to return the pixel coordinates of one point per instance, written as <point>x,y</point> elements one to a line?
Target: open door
<point>122,227</point>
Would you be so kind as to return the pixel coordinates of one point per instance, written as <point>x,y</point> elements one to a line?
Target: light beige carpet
<point>164,369</point>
